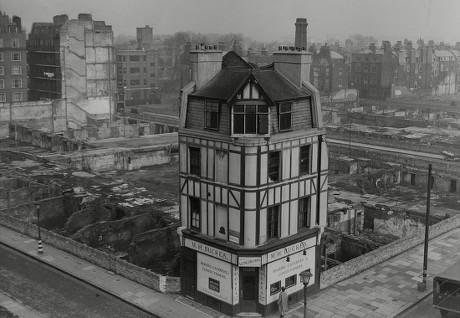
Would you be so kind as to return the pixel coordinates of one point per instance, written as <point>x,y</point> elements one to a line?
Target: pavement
<point>384,290</point>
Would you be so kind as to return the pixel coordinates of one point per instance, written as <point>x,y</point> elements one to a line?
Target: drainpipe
<point>318,196</point>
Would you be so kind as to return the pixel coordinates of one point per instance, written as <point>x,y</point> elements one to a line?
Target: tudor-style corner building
<point>253,180</point>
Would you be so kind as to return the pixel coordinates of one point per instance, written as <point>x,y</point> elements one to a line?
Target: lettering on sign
<point>208,250</point>
<point>249,261</point>
<point>214,277</point>
<point>291,249</point>
<point>214,285</point>
<point>236,279</point>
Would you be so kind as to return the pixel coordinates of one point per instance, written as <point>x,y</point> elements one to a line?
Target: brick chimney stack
<point>294,64</point>
<point>206,62</point>
<point>301,32</point>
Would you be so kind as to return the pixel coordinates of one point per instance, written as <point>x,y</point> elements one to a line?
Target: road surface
<point>56,294</point>
<point>424,309</point>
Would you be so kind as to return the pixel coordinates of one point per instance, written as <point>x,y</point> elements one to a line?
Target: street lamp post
<point>305,279</point>
<point>40,246</point>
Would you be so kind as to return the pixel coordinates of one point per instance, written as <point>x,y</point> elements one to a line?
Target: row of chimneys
<point>62,18</point>
<point>203,46</point>
<point>291,48</point>
<point>206,61</point>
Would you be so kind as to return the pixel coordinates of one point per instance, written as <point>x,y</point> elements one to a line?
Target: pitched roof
<point>443,53</point>
<point>276,86</point>
<point>236,72</point>
<point>336,55</point>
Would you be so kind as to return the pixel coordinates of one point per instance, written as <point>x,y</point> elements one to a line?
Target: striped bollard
<point>40,247</point>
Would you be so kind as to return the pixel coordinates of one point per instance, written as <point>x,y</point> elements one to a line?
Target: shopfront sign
<point>214,277</point>
<point>209,250</point>
<point>291,249</point>
<point>285,273</point>
<point>244,261</point>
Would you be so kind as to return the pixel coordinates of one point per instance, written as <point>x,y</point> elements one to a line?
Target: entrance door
<point>249,288</point>
<point>188,273</point>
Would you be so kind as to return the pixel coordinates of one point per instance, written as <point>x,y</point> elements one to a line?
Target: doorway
<point>249,288</point>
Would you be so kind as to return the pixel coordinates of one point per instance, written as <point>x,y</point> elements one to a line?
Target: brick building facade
<point>13,60</point>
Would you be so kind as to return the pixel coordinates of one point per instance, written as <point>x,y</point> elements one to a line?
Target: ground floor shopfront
<point>235,280</point>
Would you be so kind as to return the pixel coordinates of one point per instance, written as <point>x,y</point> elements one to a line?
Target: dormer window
<point>211,113</point>
<point>285,116</point>
<point>250,119</point>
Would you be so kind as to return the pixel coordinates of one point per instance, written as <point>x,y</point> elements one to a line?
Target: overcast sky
<point>263,20</point>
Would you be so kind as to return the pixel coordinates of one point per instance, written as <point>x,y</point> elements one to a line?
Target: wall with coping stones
<point>377,256</point>
<point>160,283</point>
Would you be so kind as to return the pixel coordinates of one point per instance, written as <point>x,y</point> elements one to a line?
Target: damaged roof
<point>236,73</point>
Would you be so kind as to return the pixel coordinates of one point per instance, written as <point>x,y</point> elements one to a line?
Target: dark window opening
<point>273,222</point>
<point>304,160</point>
<point>195,161</point>
<point>275,288</point>
<point>211,113</point>
<point>304,213</point>
<point>412,178</point>
<point>274,165</point>
<point>285,116</point>
<point>195,213</point>
<point>290,281</point>
<point>250,119</point>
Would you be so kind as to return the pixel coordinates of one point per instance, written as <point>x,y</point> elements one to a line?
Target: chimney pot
<point>301,32</point>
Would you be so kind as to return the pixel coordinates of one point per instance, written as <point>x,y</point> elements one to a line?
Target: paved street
<point>425,309</point>
<point>387,289</point>
<point>52,293</point>
<point>384,290</point>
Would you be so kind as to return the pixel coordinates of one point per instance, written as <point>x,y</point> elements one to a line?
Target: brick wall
<point>42,139</point>
<point>166,243</point>
<point>160,283</point>
<point>377,256</point>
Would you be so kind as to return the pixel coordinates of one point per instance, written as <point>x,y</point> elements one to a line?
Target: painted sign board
<point>214,278</point>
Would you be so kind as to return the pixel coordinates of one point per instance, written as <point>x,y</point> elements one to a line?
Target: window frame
<point>304,213</point>
<point>18,67</point>
<point>245,114</point>
<point>2,83</point>
<point>20,99</point>
<point>275,288</point>
<point>1,56</point>
<point>15,42</point>
<point>13,54</point>
<point>195,213</point>
<point>302,170</point>
<point>272,164</point>
<point>194,162</point>
<point>211,114</point>
<point>2,97</point>
<point>2,70</point>
<point>274,222</point>
<point>288,284</point>
<point>285,116</point>
<point>14,81</point>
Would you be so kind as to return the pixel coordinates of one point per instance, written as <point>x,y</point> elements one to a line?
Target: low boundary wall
<point>160,283</point>
<point>377,256</point>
